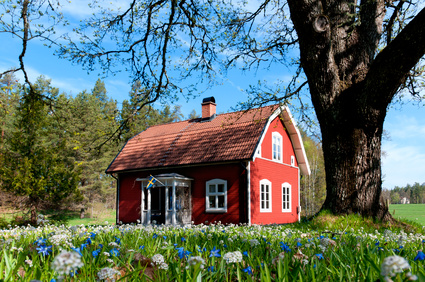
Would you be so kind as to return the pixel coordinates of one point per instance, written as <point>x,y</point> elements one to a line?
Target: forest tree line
<point>54,147</point>
<point>415,194</point>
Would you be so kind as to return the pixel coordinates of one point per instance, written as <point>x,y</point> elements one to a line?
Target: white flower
<point>193,261</point>
<point>106,273</point>
<point>29,262</point>
<point>113,244</point>
<point>233,257</point>
<point>157,259</point>
<point>66,262</point>
<point>393,265</point>
<point>163,266</point>
<point>254,242</point>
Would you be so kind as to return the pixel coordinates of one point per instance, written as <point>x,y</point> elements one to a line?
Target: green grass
<point>412,212</point>
<point>67,217</point>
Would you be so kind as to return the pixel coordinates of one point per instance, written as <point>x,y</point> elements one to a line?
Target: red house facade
<point>240,167</point>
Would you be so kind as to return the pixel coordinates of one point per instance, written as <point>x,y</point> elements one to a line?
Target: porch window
<point>286,197</point>
<point>265,196</point>
<point>216,195</point>
<point>277,146</point>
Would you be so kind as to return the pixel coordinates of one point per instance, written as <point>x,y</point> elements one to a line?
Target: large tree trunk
<point>351,87</point>
<point>352,154</point>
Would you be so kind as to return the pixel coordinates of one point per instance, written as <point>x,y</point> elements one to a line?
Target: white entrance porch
<point>168,201</point>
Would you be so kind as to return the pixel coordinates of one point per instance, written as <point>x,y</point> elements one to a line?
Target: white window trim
<point>284,187</point>
<point>277,135</point>
<point>266,182</point>
<point>207,194</point>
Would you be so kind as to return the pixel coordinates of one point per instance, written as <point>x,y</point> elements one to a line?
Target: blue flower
<point>77,250</point>
<point>155,236</point>
<point>284,247</point>
<point>210,268</point>
<point>183,239</point>
<point>299,244</point>
<point>248,270</point>
<point>44,250</point>
<point>245,253</point>
<point>88,241</point>
<point>53,280</point>
<point>319,256</point>
<point>420,256</point>
<point>92,235</point>
<point>215,253</point>
<point>377,243</point>
<point>142,247</point>
<point>117,240</point>
<point>96,253</point>
<point>180,252</point>
<point>114,252</point>
<point>40,241</point>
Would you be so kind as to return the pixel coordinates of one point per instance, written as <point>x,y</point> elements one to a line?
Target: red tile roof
<point>227,137</point>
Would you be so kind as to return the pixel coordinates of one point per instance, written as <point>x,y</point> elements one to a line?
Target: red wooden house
<point>240,167</point>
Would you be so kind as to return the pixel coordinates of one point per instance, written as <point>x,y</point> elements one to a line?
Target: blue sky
<point>404,160</point>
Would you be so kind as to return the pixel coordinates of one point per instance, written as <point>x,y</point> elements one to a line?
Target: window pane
<point>284,205</point>
<point>220,201</point>
<point>212,201</point>
<point>212,188</point>
<point>267,205</point>
<point>220,188</point>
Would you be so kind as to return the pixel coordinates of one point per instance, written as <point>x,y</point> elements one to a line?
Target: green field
<point>413,212</point>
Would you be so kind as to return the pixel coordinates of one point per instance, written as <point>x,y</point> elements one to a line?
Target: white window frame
<point>286,197</point>
<point>215,182</point>
<point>277,144</point>
<point>265,195</point>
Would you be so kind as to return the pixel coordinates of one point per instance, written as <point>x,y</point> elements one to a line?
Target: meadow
<point>412,212</point>
<point>326,248</point>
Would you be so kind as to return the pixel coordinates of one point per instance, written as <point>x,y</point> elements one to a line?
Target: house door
<point>158,205</point>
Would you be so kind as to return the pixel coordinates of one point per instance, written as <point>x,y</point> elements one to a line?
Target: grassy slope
<point>413,212</point>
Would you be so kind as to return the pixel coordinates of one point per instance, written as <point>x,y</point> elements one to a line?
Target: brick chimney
<point>208,108</point>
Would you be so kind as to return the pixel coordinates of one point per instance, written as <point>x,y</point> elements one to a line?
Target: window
<point>292,161</point>
<point>216,195</point>
<point>277,146</point>
<point>265,196</point>
<point>286,197</point>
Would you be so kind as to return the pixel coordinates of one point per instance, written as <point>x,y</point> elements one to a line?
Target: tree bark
<point>351,88</point>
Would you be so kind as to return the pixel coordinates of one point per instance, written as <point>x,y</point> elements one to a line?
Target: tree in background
<point>313,186</point>
<point>35,161</point>
<point>88,121</point>
<point>9,98</point>
<point>135,118</point>
<point>414,193</point>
